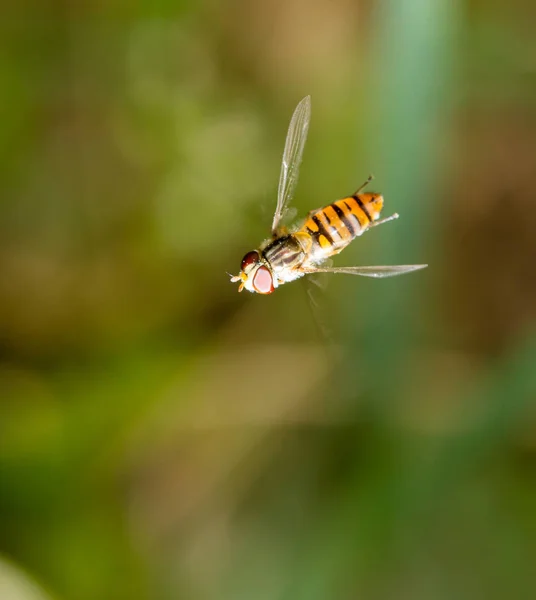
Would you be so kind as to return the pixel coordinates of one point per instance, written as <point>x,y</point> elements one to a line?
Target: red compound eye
<point>262,282</point>
<point>250,259</point>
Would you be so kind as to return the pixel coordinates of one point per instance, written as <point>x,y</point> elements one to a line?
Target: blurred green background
<point>164,437</point>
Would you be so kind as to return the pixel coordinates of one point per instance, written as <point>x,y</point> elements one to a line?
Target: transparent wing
<point>384,271</point>
<point>292,156</point>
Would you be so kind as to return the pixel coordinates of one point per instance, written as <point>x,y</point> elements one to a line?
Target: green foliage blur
<point>164,437</point>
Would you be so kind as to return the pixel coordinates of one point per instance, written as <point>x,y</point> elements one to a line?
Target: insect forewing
<point>378,272</point>
<point>292,156</point>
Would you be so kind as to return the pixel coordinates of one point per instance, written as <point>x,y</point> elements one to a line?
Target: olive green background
<point>164,437</point>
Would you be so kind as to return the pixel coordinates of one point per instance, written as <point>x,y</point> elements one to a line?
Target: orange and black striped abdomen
<point>336,225</point>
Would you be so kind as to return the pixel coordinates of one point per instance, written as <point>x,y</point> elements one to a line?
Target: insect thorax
<point>284,253</point>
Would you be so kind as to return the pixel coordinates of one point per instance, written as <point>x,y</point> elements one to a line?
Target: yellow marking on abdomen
<point>357,210</point>
<point>353,214</point>
<point>373,204</point>
<point>311,225</point>
<point>337,223</point>
<point>324,242</point>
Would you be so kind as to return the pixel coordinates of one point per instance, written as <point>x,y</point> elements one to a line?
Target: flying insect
<point>305,249</point>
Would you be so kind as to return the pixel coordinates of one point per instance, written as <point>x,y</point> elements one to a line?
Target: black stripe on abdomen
<point>342,216</point>
<point>362,207</point>
<point>322,230</point>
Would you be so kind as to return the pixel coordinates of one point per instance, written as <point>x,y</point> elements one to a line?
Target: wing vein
<point>292,157</point>
<point>378,271</point>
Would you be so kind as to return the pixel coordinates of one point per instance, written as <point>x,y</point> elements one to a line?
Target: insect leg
<point>360,189</point>
<point>382,221</point>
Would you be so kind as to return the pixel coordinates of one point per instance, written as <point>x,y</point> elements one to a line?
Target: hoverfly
<point>290,254</point>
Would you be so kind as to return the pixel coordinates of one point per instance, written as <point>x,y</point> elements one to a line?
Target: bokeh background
<point>164,437</point>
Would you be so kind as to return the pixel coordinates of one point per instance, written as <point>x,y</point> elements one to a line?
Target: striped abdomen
<point>333,227</point>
